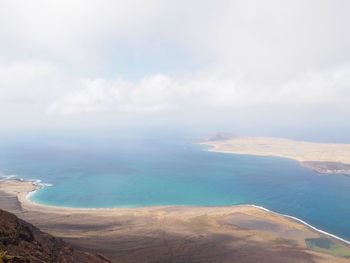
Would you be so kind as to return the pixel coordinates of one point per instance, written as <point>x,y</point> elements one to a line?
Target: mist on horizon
<point>261,68</point>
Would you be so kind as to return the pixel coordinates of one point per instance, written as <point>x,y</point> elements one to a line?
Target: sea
<point>128,170</point>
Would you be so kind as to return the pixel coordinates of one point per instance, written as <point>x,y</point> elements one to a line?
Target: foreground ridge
<point>21,242</point>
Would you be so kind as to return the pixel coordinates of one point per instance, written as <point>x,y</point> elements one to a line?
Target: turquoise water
<point>131,172</point>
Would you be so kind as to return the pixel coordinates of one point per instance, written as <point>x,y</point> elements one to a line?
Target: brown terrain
<point>177,234</point>
<point>325,158</point>
<point>21,242</point>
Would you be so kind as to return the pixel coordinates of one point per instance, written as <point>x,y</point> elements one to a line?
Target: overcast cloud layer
<point>73,56</point>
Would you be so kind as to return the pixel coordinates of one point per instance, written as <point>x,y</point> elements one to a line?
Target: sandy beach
<point>175,234</point>
<point>326,158</point>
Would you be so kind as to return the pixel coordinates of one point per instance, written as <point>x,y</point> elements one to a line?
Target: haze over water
<point>151,170</point>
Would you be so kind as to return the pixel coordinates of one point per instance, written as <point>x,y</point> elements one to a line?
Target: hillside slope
<point>21,242</point>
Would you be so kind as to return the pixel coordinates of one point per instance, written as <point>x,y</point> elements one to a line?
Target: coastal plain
<point>177,233</point>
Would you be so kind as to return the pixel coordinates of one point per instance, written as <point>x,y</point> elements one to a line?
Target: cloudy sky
<point>254,60</point>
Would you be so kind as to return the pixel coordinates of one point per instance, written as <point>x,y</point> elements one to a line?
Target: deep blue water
<point>154,171</point>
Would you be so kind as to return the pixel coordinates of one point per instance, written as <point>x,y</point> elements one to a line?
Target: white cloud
<point>269,52</point>
<point>152,94</point>
<point>163,93</point>
<point>26,81</point>
<point>263,38</point>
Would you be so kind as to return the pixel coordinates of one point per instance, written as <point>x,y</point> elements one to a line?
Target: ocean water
<point>151,171</point>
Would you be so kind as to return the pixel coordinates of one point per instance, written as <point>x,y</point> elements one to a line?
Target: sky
<point>255,67</point>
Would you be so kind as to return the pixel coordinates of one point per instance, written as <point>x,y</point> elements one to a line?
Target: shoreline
<point>27,201</point>
<point>323,158</point>
<point>304,223</point>
<point>301,163</point>
<point>129,234</point>
<point>315,166</point>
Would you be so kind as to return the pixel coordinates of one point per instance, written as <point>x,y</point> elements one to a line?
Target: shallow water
<point>150,171</point>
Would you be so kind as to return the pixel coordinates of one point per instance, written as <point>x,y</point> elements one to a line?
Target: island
<point>324,158</point>
<point>178,233</point>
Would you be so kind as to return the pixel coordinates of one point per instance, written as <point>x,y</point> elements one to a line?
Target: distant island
<point>324,158</point>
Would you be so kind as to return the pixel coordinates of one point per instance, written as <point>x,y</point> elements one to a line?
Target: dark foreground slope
<point>22,242</point>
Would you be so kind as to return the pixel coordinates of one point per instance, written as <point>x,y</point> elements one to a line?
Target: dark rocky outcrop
<point>220,136</point>
<point>329,167</point>
<point>21,242</point>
